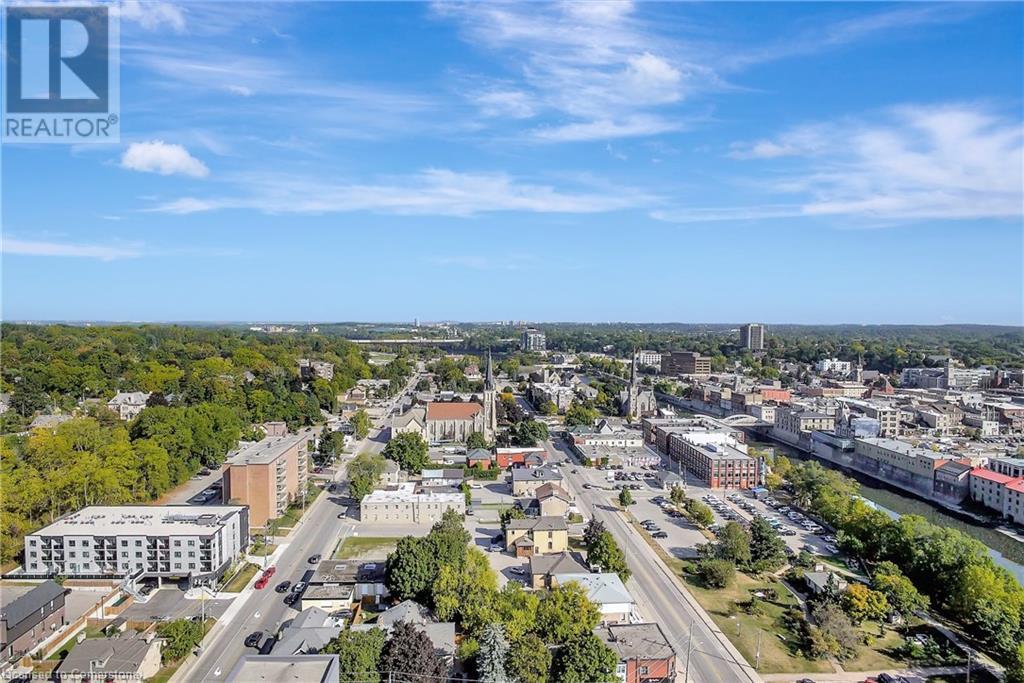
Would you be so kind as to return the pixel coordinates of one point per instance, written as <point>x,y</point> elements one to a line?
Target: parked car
<point>495,548</point>
<point>518,570</point>
<point>659,534</point>
<point>291,599</point>
<point>313,559</point>
<point>299,587</point>
<point>283,586</point>
<point>254,639</point>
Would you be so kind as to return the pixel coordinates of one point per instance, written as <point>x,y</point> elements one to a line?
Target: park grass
<point>362,546</point>
<point>241,579</point>
<point>778,644</point>
<point>874,657</point>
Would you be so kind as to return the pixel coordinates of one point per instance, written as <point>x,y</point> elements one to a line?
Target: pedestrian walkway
<point>912,674</point>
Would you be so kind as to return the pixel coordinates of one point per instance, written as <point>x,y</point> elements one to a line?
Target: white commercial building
<point>404,506</point>
<point>146,541</point>
<point>834,365</point>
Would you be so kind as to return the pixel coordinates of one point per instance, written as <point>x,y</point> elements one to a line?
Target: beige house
<point>526,481</point>
<point>553,501</point>
<point>539,536</point>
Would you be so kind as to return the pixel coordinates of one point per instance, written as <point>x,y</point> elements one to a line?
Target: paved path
<point>914,675</point>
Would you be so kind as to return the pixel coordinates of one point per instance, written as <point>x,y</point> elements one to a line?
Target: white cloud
<point>596,66</point>
<point>514,104</point>
<point>634,126</point>
<point>950,162</point>
<point>157,156</point>
<point>13,246</point>
<point>430,192</point>
<point>152,14</point>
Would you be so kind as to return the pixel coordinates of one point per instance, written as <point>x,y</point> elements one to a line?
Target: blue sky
<point>606,161</point>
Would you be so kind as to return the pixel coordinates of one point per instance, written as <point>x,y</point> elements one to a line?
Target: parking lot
<point>170,603</point>
<point>680,536</point>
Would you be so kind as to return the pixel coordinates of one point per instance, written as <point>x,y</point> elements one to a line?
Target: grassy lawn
<point>286,522</point>
<point>241,579</point>
<point>362,546</point>
<point>779,652</point>
<point>874,657</point>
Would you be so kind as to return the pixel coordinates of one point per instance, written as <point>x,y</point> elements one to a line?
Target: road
<point>264,610</point>
<point>658,595</point>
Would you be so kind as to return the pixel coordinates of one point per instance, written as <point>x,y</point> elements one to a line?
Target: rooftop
<point>267,450</point>
<point>535,474</point>
<point>602,589</point>
<point>642,641</point>
<point>280,669</point>
<point>989,475</point>
<point>452,411</point>
<point>141,520</point>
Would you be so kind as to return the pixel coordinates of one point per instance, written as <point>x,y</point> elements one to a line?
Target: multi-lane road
<point>703,654</point>
<point>319,532</point>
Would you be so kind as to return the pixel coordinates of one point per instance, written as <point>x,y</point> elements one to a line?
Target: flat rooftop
<point>407,496</point>
<point>272,669</point>
<point>141,520</point>
<point>267,450</point>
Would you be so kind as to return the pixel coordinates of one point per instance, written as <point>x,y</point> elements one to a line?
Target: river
<point>1005,551</point>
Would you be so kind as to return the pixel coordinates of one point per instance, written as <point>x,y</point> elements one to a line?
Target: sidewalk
<point>912,674</point>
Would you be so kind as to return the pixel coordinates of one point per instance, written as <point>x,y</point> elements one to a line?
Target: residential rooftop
<point>141,520</point>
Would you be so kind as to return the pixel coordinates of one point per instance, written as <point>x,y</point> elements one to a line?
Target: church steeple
<point>632,371</point>
<point>489,377</point>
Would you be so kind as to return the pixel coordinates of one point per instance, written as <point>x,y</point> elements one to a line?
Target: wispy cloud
<point>429,192</point>
<point>824,35</point>
<point>952,162</point>
<point>103,252</point>
<point>157,156</point>
<point>594,64</point>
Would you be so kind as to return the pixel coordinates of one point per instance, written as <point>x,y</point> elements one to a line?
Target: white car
<point>495,548</point>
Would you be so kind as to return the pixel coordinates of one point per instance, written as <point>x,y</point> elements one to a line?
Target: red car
<point>261,583</point>
<point>269,571</point>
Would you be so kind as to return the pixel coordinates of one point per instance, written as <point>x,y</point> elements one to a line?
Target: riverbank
<point>1005,550</point>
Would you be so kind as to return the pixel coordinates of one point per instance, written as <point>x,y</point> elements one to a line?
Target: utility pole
<point>689,648</point>
<point>757,655</point>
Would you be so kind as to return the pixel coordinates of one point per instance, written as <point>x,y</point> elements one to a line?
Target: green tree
<point>585,659</point>
<point>625,498</point>
<point>466,592</point>
<point>580,415</point>
<point>180,636</point>
<point>529,660</point>
<point>678,496</point>
<point>364,472</point>
<point>548,408</point>
<point>493,653</point>
<point>516,609</point>
<point>477,440</point>
<point>716,572</point>
<point>605,553</point>
<point>361,423</point>
<point>410,569</point>
<point>767,549</point>
<point>699,513</point>
<point>565,612</point>
<point>733,544</point>
<point>860,603</point>
<point>898,590</point>
<point>409,450</point>
<point>359,654</point>
<point>528,433</point>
